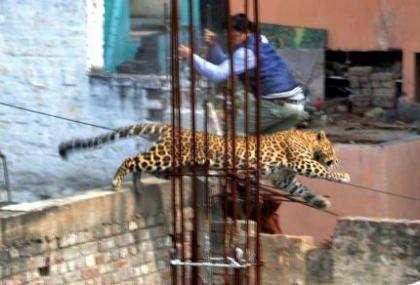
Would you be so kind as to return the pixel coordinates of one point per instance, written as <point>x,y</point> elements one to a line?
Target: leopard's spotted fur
<point>284,155</point>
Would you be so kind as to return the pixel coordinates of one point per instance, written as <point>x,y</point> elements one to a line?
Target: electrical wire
<point>56,116</point>
<point>417,199</point>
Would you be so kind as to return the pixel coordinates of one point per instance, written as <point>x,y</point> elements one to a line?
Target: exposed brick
<point>125,239</point>
<point>71,253</point>
<point>36,261</point>
<point>132,225</point>
<point>106,244</point>
<point>89,273</point>
<point>58,268</point>
<point>105,268</point>
<point>53,280</point>
<point>115,254</point>
<point>124,252</point>
<point>90,260</point>
<point>88,248</point>
<point>71,277</point>
<point>31,275</point>
<point>146,246</point>
<point>68,240</point>
<point>132,250</point>
<point>143,234</point>
<point>55,257</point>
<point>121,264</point>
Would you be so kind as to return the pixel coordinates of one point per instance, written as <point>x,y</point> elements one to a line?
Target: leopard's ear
<point>321,135</point>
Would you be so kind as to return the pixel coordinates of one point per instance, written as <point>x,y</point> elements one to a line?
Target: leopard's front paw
<point>320,202</point>
<point>344,177</point>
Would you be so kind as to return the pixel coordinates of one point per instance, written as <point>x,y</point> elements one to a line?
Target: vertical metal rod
<point>195,229</point>
<point>247,181</point>
<point>174,86</point>
<point>226,167</point>
<point>258,139</point>
<point>232,143</point>
<point>225,180</point>
<point>208,192</point>
<point>177,126</point>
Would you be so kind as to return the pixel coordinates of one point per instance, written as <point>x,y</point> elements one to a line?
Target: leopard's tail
<point>145,130</point>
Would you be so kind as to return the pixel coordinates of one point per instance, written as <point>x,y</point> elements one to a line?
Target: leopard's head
<point>324,151</point>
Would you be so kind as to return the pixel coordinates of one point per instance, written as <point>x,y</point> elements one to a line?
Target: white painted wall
<point>95,10</point>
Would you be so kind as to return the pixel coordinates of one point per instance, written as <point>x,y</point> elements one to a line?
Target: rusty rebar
<point>195,229</point>
<point>258,139</point>
<point>246,126</point>
<point>174,91</point>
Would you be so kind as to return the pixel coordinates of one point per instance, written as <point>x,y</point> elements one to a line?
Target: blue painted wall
<point>118,46</point>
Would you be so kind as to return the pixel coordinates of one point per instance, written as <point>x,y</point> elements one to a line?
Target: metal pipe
<point>6,177</point>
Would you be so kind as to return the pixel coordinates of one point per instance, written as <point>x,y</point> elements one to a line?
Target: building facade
<point>361,25</point>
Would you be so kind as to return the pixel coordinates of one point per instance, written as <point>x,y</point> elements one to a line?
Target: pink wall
<point>355,25</point>
<point>390,167</point>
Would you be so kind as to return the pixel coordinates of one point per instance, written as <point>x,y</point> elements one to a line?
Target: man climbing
<point>282,104</point>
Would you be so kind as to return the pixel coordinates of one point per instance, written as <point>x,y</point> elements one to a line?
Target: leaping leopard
<point>284,155</point>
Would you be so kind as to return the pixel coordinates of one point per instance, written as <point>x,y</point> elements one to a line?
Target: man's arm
<point>215,54</point>
<point>219,72</point>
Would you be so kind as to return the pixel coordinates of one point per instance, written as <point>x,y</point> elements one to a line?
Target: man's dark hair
<point>240,23</point>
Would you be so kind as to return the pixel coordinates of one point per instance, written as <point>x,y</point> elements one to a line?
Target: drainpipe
<point>6,177</point>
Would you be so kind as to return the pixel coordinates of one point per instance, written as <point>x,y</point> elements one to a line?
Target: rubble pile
<point>371,89</point>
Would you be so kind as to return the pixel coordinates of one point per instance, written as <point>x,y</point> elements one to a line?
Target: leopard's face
<point>324,151</point>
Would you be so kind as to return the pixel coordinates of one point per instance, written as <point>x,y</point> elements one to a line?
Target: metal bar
<point>232,143</point>
<point>195,229</point>
<point>246,126</point>
<point>174,91</point>
<point>232,264</point>
<point>258,139</point>
<point>226,174</point>
<point>206,153</point>
<point>6,177</point>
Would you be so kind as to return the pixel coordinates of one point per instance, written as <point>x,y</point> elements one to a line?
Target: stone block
<point>360,70</point>
<point>375,251</point>
<point>383,76</point>
<point>354,83</point>
<point>106,244</point>
<point>384,92</point>
<point>125,239</point>
<point>90,260</point>
<point>71,277</point>
<point>89,273</point>
<point>360,100</point>
<point>71,253</point>
<point>384,101</point>
<point>284,258</point>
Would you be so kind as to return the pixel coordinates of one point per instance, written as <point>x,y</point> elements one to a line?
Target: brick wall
<point>376,251</point>
<point>361,251</point>
<point>96,237</point>
<point>124,238</point>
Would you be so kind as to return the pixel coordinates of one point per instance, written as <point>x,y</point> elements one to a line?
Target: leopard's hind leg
<point>150,162</point>
<point>286,180</point>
